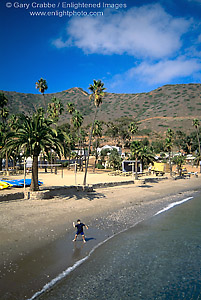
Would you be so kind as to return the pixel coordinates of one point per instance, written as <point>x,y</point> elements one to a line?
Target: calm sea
<point>157,259</point>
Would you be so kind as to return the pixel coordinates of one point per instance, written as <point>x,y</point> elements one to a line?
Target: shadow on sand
<point>78,195</point>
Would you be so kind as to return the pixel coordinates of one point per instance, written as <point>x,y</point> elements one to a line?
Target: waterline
<point>172,205</point>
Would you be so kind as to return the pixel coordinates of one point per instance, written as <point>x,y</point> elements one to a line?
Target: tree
<point>97,133</point>
<point>179,161</point>
<point>169,145</point>
<point>4,112</point>
<point>77,120</point>
<point>41,85</point>
<point>133,128</point>
<point>55,109</point>
<point>196,124</point>
<point>97,90</point>
<point>115,159</point>
<point>70,107</point>
<point>136,148</point>
<point>146,155</point>
<point>34,134</point>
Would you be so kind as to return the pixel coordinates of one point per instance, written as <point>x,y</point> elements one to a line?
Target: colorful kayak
<point>14,183</point>
<point>4,185</point>
<point>28,182</point>
<point>19,182</point>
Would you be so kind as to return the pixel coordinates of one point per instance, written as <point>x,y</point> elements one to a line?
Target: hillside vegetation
<point>173,106</point>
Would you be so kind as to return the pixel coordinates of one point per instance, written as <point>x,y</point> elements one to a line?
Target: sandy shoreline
<point>36,235</point>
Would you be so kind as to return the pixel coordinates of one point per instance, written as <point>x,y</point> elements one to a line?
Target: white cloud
<point>165,71</point>
<point>58,43</point>
<point>146,31</point>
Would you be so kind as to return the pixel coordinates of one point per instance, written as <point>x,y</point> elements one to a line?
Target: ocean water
<point>157,259</point>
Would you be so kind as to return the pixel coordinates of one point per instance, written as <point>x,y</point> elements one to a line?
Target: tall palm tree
<point>136,149</point>
<point>196,124</point>
<point>4,113</point>
<point>55,109</point>
<point>97,133</point>
<point>42,86</point>
<point>97,90</point>
<point>133,128</point>
<point>1,143</point>
<point>169,145</point>
<point>34,134</point>
<point>77,120</point>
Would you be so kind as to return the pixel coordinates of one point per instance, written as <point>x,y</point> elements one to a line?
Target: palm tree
<point>169,145</point>
<point>1,143</point>
<point>4,112</point>
<point>196,124</point>
<point>3,109</point>
<point>97,132</point>
<point>115,159</point>
<point>70,108</point>
<point>97,90</point>
<point>136,149</point>
<point>55,109</point>
<point>133,128</point>
<point>146,155</point>
<point>41,85</point>
<point>77,120</point>
<point>34,134</point>
<point>179,161</point>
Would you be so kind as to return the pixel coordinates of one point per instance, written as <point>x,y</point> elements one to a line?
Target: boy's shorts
<point>78,232</point>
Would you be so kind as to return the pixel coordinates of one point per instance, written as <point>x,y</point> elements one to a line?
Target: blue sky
<point>134,48</point>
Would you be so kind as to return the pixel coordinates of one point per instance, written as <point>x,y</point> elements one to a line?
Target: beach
<point>36,235</point>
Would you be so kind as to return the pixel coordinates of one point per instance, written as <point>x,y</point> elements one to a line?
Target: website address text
<point>64,13</point>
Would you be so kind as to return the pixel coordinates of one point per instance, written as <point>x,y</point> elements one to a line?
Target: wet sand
<point>36,235</point>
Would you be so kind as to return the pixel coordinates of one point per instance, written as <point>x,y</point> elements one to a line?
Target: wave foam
<point>172,205</point>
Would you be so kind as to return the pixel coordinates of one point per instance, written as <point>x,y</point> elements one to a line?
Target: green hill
<point>173,106</point>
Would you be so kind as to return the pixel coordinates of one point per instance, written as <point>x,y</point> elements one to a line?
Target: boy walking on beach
<point>80,230</point>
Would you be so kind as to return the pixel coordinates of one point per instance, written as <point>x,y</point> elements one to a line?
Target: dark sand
<point>36,235</point>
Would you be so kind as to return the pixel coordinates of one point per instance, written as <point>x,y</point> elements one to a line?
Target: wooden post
<point>24,174</point>
<point>75,173</point>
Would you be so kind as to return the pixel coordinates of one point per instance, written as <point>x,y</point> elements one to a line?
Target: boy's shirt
<point>79,227</point>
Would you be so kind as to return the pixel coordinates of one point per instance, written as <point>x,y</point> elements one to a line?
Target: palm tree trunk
<point>90,139</point>
<point>7,170</point>
<point>170,165</point>
<point>198,141</point>
<point>1,164</point>
<point>95,155</point>
<point>136,176</point>
<point>34,182</point>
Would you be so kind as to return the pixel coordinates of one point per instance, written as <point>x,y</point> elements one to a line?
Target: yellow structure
<point>160,168</point>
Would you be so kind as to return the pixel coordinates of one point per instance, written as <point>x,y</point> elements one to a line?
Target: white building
<point>109,149</point>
